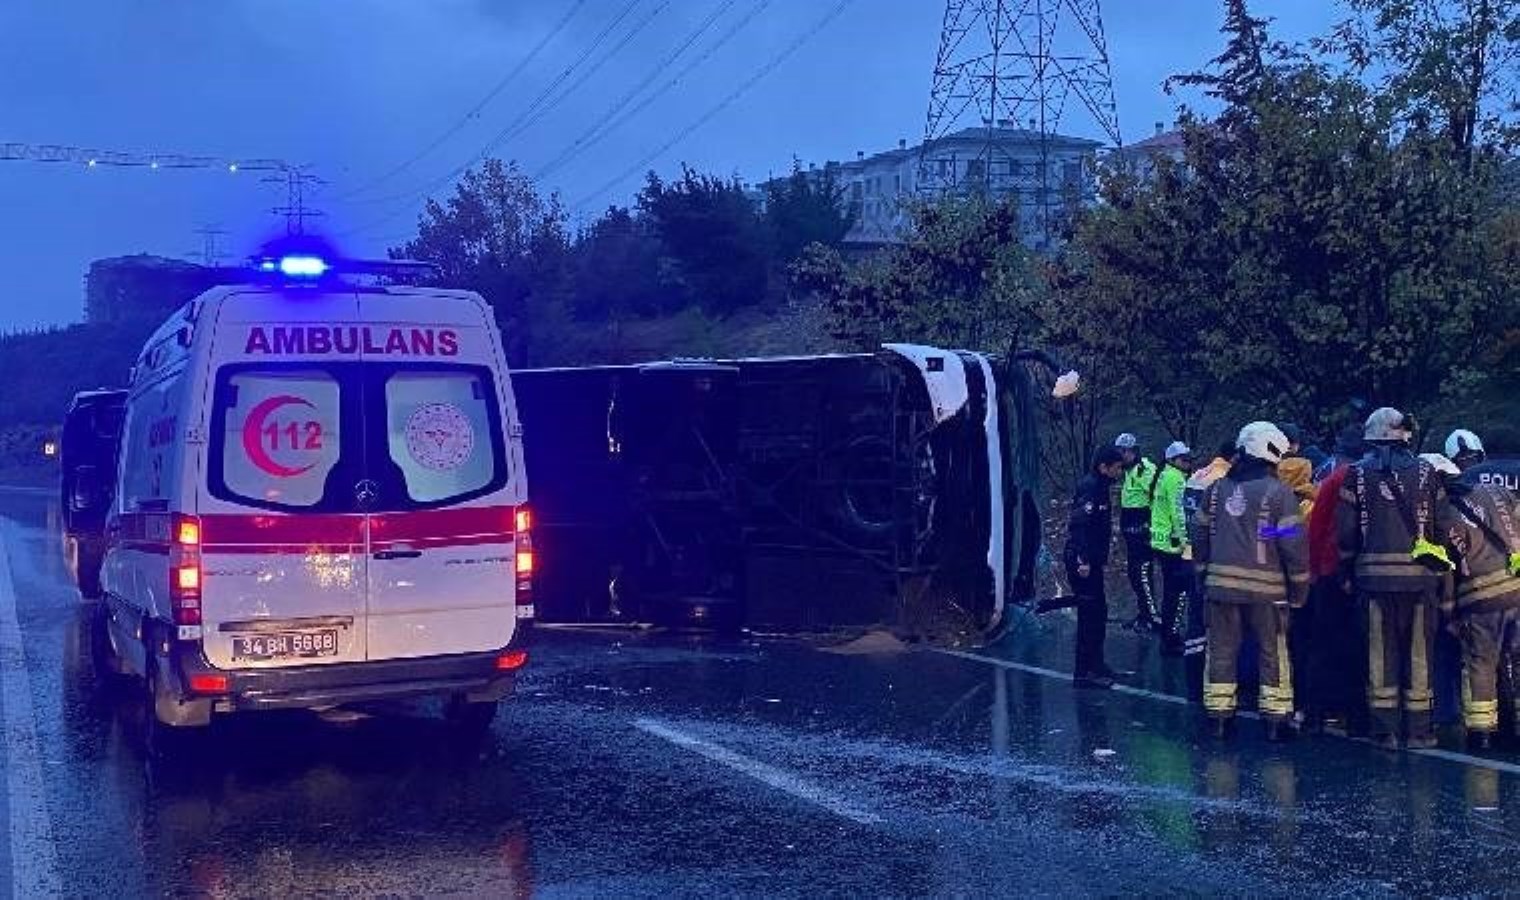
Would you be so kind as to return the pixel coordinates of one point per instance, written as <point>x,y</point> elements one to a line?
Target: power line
<point>95,158</point>
<point>615,117</point>
<point>474,111</point>
<point>513,132</point>
<point>770,66</point>
<point>538,101</point>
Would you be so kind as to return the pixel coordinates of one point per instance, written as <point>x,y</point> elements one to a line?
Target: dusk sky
<point>357,87</point>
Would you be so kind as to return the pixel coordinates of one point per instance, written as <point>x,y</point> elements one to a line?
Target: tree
<point>497,235</point>
<point>960,279</point>
<point>615,270</point>
<point>1443,64</point>
<point>806,208</point>
<point>714,250</point>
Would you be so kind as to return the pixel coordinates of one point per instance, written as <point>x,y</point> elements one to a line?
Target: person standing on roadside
<point>1169,543</point>
<point>1386,526</point>
<point>1296,473</point>
<point>1089,535</point>
<point>1135,524</point>
<point>1251,544</point>
<point>1482,525</point>
<point>1335,663</point>
<point>1195,632</point>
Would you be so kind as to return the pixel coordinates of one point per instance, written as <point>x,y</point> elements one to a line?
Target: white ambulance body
<point>320,500</point>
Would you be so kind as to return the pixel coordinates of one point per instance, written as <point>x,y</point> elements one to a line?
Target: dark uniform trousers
<point>1487,638</point>
<point>1401,631</point>
<point>1092,617</point>
<point>1227,625</point>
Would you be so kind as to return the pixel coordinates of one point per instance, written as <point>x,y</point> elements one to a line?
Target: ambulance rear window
<point>438,430</point>
<point>355,437</point>
<point>281,435</point>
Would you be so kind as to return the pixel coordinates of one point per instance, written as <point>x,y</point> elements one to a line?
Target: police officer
<point>1386,527</point>
<point>1169,543</point>
<point>1481,525</point>
<point>1135,523</point>
<point>1251,544</point>
<point>1088,537</point>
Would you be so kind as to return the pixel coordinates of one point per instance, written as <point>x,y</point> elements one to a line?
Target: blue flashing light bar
<point>303,266</point>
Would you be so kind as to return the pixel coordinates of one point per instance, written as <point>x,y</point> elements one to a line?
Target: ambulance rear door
<point>282,526</point>
<point>448,476</point>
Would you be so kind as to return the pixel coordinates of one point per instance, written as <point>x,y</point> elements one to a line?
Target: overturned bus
<point>895,488</point>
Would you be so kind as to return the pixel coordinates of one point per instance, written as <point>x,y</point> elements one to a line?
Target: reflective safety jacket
<point>1472,524</point>
<point>1251,541</point>
<point>1136,490</point>
<point>1168,523</point>
<point>1381,497</point>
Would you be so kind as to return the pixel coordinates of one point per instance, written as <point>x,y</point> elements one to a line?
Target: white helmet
<point>1264,441</point>
<point>1126,441</point>
<point>1441,464</point>
<point>1176,449</point>
<point>1387,424</point>
<point>1462,442</point>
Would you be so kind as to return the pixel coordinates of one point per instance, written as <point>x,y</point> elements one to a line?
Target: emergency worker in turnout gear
<point>1481,525</point>
<point>1465,449</point>
<point>1386,526</point>
<point>1252,546</point>
<point>1195,632</point>
<point>1089,535</point>
<point>1135,524</point>
<point>1169,543</point>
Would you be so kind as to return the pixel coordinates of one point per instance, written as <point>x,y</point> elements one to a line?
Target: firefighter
<point>1464,449</point>
<point>1169,542</point>
<point>1088,537</point>
<point>1481,525</point>
<point>1135,524</point>
<point>1386,528</point>
<point>1251,544</point>
<point>1194,633</point>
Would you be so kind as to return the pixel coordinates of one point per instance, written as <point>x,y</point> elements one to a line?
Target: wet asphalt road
<point>641,765</point>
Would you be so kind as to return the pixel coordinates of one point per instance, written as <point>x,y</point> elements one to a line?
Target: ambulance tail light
<point>522,522</point>
<point>185,570</point>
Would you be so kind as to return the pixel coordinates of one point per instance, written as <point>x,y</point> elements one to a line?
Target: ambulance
<point>319,500</point>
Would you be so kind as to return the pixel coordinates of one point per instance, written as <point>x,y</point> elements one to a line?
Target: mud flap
<point>169,707</point>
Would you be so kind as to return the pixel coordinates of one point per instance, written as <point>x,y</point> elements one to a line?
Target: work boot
<point>1093,681</point>
<point>1387,741</point>
<point>1422,741</point>
<point>1480,741</point>
<point>1334,724</point>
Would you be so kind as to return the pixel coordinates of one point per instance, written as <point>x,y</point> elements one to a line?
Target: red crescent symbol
<point>253,435</point>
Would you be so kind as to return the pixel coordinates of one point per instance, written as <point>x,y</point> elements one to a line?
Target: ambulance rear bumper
<point>474,676</point>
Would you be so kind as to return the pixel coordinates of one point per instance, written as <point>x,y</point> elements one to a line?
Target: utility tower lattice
<point>298,180</point>
<point>1008,70</point>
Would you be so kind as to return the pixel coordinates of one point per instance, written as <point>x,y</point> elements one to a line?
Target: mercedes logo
<point>366,492</point>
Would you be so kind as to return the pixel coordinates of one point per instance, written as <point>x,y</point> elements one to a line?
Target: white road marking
<point>33,856</point>
<point>765,773</point>
<point>1495,765</point>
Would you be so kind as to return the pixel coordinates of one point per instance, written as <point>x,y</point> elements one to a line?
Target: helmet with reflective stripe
<point>1462,443</point>
<point>1264,441</point>
<point>1388,425</point>
<point>1441,463</point>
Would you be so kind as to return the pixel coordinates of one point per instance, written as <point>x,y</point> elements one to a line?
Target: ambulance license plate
<point>285,645</point>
